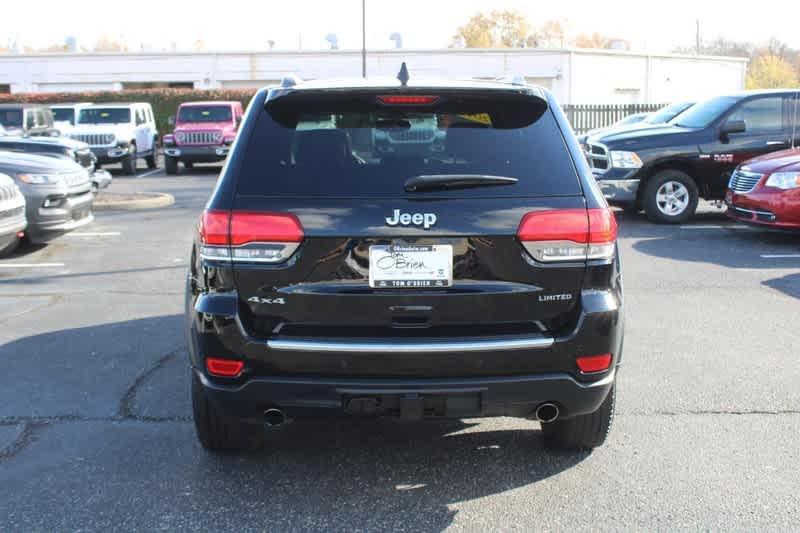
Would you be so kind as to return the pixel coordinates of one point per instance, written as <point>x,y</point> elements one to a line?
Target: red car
<point>766,191</point>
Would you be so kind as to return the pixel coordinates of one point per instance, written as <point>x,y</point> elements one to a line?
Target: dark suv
<point>666,170</point>
<point>476,274</point>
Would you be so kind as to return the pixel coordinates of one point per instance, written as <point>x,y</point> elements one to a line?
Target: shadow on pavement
<point>84,371</point>
<point>334,474</point>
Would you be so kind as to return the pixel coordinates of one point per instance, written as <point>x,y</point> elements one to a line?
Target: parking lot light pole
<point>363,38</point>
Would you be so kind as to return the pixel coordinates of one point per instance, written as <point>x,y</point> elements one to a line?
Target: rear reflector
<point>225,368</point>
<point>594,363</point>
<point>569,234</point>
<point>247,236</point>
<point>407,99</point>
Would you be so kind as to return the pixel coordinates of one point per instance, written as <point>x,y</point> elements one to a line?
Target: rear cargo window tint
<point>373,153</point>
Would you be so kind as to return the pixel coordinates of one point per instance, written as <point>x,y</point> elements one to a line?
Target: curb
<point>108,201</point>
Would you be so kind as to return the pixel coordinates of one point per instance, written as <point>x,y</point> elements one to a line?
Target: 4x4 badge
<point>268,301</point>
<point>426,220</point>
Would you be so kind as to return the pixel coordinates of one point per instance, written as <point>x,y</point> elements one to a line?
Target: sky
<point>239,24</point>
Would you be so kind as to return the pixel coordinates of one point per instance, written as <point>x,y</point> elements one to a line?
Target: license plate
<point>408,266</point>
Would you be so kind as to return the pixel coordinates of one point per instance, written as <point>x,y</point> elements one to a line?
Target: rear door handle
<point>776,143</point>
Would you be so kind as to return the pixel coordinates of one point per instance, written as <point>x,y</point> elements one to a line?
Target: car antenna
<point>403,74</point>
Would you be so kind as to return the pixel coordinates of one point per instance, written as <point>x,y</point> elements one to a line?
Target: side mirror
<point>733,126</point>
<point>171,120</point>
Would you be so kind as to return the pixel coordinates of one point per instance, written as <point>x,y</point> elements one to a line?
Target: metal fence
<point>587,117</point>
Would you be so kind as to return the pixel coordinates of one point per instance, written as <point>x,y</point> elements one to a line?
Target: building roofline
<point>387,52</point>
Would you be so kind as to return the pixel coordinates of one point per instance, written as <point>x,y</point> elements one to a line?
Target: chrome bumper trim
<point>431,346</point>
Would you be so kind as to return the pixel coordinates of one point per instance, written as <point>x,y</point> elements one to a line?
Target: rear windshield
<point>107,115</point>
<point>208,113</point>
<point>372,152</point>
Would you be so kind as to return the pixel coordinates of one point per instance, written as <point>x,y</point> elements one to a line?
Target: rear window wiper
<point>434,182</point>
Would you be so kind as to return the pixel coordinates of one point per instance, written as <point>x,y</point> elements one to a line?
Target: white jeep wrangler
<point>119,133</point>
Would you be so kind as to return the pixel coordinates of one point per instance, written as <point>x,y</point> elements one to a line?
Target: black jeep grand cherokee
<point>472,272</point>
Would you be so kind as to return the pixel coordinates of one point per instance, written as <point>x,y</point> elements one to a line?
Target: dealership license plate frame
<point>404,266</point>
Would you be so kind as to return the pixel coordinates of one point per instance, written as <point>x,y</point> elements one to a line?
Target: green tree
<point>499,29</point>
<point>771,72</point>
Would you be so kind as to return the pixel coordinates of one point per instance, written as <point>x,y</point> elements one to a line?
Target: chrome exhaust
<point>547,412</point>
<point>273,417</point>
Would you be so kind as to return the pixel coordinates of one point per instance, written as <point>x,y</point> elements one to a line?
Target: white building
<point>576,76</point>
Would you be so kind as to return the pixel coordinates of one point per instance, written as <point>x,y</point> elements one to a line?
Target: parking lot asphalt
<point>96,432</point>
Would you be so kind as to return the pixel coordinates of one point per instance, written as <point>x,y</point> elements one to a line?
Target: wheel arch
<point>672,164</point>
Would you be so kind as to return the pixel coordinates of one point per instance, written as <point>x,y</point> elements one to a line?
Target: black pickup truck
<point>666,169</point>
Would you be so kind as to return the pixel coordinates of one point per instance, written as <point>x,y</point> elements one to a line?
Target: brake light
<point>244,236</point>
<point>594,363</point>
<point>225,368</point>
<point>562,235</point>
<point>407,99</point>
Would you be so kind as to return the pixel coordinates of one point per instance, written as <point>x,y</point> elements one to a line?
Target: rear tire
<point>170,165</point>
<point>582,432</point>
<point>218,433</point>
<point>670,197</point>
<point>129,163</point>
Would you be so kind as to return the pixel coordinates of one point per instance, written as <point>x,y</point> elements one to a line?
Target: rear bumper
<point>198,154</point>
<point>516,396</point>
<point>491,376</point>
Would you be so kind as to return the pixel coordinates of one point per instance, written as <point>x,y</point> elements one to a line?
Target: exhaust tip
<point>274,417</point>
<point>547,412</point>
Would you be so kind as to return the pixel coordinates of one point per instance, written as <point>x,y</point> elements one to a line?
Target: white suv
<point>118,133</point>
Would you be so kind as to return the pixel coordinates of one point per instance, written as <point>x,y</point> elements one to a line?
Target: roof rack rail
<point>291,80</point>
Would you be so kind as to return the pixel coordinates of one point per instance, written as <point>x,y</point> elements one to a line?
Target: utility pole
<point>363,38</point>
<point>697,37</point>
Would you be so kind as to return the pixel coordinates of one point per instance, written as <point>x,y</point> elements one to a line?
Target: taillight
<point>593,363</point>
<point>407,99</point>
<point>244,236</point>
<point>225,368</point>
<point>564,235</point>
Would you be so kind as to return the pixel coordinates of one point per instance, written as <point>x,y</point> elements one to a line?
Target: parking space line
<point>30,265</point>
<point>94,234</point>
<point>714,226</point>
<point>780,256</point>
<point>149,173</point>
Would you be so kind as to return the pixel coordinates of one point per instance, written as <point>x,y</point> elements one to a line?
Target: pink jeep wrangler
<point>204,132</point>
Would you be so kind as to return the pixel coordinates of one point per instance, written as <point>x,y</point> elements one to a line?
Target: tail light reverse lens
<point>566,235</point>
<point>252,237</point>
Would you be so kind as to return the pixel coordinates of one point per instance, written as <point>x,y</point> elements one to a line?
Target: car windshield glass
<point>206,113</point>
<point>704,113</point>
<point>667,113</point>
<point>11,118</point>
<point>374,152</point>
<point>105,115</point>
<point>64,114</point>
